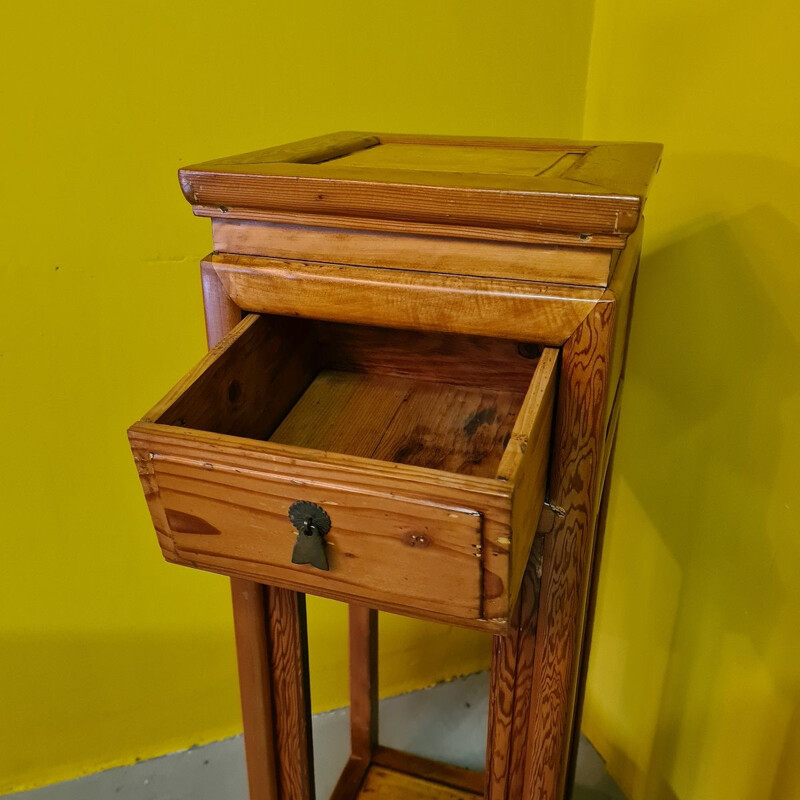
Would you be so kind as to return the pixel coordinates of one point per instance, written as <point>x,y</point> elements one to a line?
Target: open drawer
<point>427,451</point>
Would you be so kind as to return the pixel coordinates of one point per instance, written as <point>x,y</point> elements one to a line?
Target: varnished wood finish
<point>445,254</point>
<point>519,310</point>
<point>435,771</point>
<point>402,379</point>
<point>440,426</point>
<point>428,356</point>
<point>255,687</point>
<point>429,484</point>
<point>601,241</point>
<point>573,187</point>
<point>222,314</point>
<point>353,774</point>
<point>622,290</point>
<point>509,696</point>
<point>525,461</point>
<point>270,632</point>
<point>591,604</point>
<point>363,635</point>
<point>388,784</point>
<point>394,542</point>
<point>247,383</point>
<point>579,440</point>
<point>289,664</point>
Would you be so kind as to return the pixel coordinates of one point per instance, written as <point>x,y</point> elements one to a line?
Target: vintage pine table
<point>410,404</point>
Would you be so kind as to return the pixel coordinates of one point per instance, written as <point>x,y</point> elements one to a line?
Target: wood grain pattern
<point>623,290</point>
<point>591,604</point>
<point>343,412</point>
<point>510,689</point>
<point>579,437</point>
<point>350,780</point>
<point>438,426</point>
<point>248,598</point>
<point>368,484</point>
<point>417,239</point>
<point>507,234</point>
<point>451,428</point>
<point>525,463</point>
<point>460,158</point>
<point>601,192</point>
<point>306,151</point>
<point>255,687</point>
<point>518,310</point>
<point>363,636</point>
<point>429,770</point>
<point>428,355</point>
<point>247,383</point>
<point>222,314</point>
<point>424,555</point>
<point>291,694</point>
<point>456,256</point>
<point>220,502</point>
<point>386,784</point>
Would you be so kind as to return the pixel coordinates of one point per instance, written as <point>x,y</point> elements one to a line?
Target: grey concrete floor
<point>446,722</point>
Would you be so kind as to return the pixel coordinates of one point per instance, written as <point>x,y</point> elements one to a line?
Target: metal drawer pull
<point>312,523</point>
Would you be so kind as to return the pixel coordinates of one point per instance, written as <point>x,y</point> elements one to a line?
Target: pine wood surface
<point>460,360</point>
<point>423,555</point>
<point>510,695</point>
<point>525,462</point>
<point>363,649</point>
<point>622,289</point>
<point>519,310</point>
<point>288,644</point>
<point>440,426</point>
<point>416,280</point>
<point>430,483</point>
<point>573,187</point>
<point>351,779</point>
<point>579,440</point>
<point>456,256</point>
<point>255,687</point>
<point>446,774</point>
<point>582,240</point>
<point>387,784</point>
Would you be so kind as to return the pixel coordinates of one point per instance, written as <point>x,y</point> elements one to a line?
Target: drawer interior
<point>443,401</point>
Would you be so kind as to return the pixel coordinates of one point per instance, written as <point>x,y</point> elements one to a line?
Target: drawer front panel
<point>384,549</point>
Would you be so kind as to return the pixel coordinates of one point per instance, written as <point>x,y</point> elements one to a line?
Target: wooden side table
<point>417,414</point>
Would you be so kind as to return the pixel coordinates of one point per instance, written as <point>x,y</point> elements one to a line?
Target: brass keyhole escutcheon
<point>312,523</point>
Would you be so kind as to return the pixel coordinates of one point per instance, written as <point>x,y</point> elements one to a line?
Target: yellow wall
<point>694,689</point>
<point>106,653</point>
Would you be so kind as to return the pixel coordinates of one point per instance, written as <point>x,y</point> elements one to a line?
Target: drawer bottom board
<point>461,429</point>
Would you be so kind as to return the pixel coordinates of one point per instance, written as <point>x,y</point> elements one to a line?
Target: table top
<point>583,188</point>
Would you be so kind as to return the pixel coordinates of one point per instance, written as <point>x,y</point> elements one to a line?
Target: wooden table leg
<point>535,670</point>
<point>288,656</point>
<point>363,636</point>
<point>510,690</point>
<point>363,681</point>
<point>589,627</point>
<point>255,687</point>
<point>272,656</point>
<point>578,444</point>
<point>271,645</point>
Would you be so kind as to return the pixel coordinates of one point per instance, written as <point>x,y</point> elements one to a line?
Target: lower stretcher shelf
<point>388,784</point>
<point>395,775</point>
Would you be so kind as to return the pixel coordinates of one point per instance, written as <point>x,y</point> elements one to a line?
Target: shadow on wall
<point>700,508</point>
